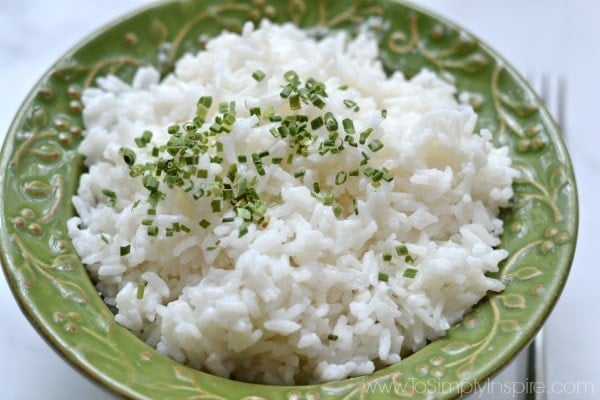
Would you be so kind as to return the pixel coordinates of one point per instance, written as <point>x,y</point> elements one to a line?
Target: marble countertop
<point>551,36</point>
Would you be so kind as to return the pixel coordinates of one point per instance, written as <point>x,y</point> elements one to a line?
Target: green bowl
<point>40,168</point>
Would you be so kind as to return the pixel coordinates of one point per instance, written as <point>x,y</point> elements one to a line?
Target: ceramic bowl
<point>40,167</point>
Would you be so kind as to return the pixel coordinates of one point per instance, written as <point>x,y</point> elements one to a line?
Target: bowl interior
<point>41,166</point>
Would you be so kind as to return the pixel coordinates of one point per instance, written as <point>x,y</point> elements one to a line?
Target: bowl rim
<point>28,308</point>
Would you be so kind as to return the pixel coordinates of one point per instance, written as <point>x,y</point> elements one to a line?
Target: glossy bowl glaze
<point>40,167</point>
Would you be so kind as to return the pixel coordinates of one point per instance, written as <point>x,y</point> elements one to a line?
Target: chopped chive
<point>384,113</point>
<point>276,160</point>
<point>243,230</point>
<point>383,277</point>
<point>348,126</point>
<point>143,140</point>
<point>204,224</point>
<point>352,104</point>
<point>232,172</point>
<point>295,102</point>
<point>227,194</point>
<point>375,145</point>
<point>223,107</point>
<point>410,273</point>
<point>355,206</point>
<point>318,102</point>
<point>341,177</point>
<point>140,291</point>
<point>299,174</point>
<point>268,112</point>
<point>354,173</point>
<point>286,92</point>
<point>227,219</point>
<point>365,158</point>
<point>185,228</point>
<point>152,230</point>
<point>324,198</point>
<point>151,211</point>
<point>111,197</point>
<point>124,250</point>
<point>343,87</point>
<point>215,205</point>
<point>242,158</point>
<point>387,256</point>
<point>173,129</point>
<point>362,137</point>
<point>258,75</point>
<point>202,173</point>
<point>317,123</point>
<point>330,122</point>
<point>274,132</point>
<point>408,259</point>
<point>198,193</point>
<point>337,211</point>
<point>244,213</point>
<point>369,171</point>
<point>386,175</point>
<point>402,250</point>
<point>147,222</point>
<point>255,111</point>
<point>332,337</point>
<point>109,193</point>
<point>290,158</point>
<point>135,204</point>
<point>205,101</point>
<point>188,186</point>
<point>316,187</point>
<point>377,176</point>
<point>150,183</point>
<point>104,238</point>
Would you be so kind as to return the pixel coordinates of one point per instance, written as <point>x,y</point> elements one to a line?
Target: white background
<point>557,37</point>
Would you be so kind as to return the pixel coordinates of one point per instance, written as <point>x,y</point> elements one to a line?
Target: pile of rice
<point>302,299</point>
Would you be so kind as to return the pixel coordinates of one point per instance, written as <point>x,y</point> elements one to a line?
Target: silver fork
<point>553,93</point>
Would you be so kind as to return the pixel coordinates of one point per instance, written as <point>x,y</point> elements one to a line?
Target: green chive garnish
<point>410,273</point>
<point>341,177</point>
<point>258,75</point>
<point>402,250</point>
<point>140,291</point>
<point>124,250</point>
<point>111,197</point>
<point>243,230</point>
<point>375,145</point>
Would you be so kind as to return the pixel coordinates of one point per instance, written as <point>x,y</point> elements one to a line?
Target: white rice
<point>262,307</point>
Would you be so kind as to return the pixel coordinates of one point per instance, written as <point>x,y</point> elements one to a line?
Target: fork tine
<point>561,107</point>
<point>553,92</point>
